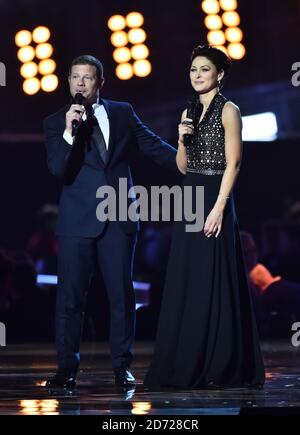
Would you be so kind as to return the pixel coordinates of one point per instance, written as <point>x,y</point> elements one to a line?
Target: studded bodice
<point>206,149</point>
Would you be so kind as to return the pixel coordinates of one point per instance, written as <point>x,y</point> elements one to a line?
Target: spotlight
<point>216,37</point>
<point>26,54</point>
<point>116,22</point>
<point>28,70</point>
<point>43,51</point>
<point>124,71</point>
<point>134,19</point>
<point>22,38</point>
<point>128,37</point>
<point>139,51</point>
<point>136,36</point>
<point>142,68</point>
<point>34,45</point>
<point>49,83</point>
<point>210,6</point>
<point>41,34</point>
<point>122,54</point>
<point>223,28</point>
<point>31,86</point>
<point>119,39</point>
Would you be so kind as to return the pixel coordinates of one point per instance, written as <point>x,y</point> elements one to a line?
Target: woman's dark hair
<point>221,62</point>
<point>87,59</point>
<point>216,56</point>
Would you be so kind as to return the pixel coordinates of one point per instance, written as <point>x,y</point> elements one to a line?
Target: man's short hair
<point>87,59</point>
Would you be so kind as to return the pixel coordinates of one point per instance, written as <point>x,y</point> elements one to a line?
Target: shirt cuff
<point>68,138</point>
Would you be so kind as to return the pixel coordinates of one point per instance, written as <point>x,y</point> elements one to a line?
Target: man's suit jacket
<point>83,171</point>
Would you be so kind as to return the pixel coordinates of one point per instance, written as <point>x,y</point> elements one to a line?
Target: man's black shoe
<point>124,378</point>
<point>60,380</point>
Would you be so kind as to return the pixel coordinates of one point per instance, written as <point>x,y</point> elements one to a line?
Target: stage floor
<point>23,369</point>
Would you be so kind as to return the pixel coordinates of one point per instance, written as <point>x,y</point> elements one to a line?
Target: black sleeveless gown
<point>207,335</point>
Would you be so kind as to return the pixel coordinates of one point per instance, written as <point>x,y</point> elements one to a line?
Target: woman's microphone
<point>188,121</point>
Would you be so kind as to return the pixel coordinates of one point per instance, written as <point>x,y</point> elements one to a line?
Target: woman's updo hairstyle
<point>216,56</point>
<point>221,62</point>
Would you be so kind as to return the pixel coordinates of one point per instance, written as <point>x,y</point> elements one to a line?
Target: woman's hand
<point>185,127</point>
<point>213,223</point>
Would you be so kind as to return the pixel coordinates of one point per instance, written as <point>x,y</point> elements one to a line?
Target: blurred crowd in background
<point>272,262</point>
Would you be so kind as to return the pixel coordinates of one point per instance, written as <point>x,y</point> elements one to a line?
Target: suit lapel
<point>110,114</point>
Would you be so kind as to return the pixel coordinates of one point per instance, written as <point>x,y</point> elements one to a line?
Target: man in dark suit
<point>97,155</point>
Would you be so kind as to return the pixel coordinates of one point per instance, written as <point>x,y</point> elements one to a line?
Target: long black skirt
<point>207,335</point>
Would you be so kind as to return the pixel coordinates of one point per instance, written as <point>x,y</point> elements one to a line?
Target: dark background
<point>259,82</point>
<point>267,192</point>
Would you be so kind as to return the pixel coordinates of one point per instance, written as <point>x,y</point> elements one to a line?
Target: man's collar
<point>97,104</point>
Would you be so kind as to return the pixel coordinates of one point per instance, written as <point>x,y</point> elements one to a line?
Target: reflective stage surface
<point>23,370</point>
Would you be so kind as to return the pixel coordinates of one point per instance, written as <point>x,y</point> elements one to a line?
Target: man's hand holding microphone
<point>75,114</point>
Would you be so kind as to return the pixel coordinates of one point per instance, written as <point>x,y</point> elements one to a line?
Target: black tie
<point>97,135</point>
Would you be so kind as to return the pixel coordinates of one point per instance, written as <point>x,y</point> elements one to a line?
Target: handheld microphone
<point>190,122</point>
<point>78,99</point>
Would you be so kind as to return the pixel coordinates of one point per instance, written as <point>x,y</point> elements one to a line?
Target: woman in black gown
<point>207,335</point>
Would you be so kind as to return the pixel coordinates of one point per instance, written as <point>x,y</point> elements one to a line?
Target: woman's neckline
<point>201,119</point>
